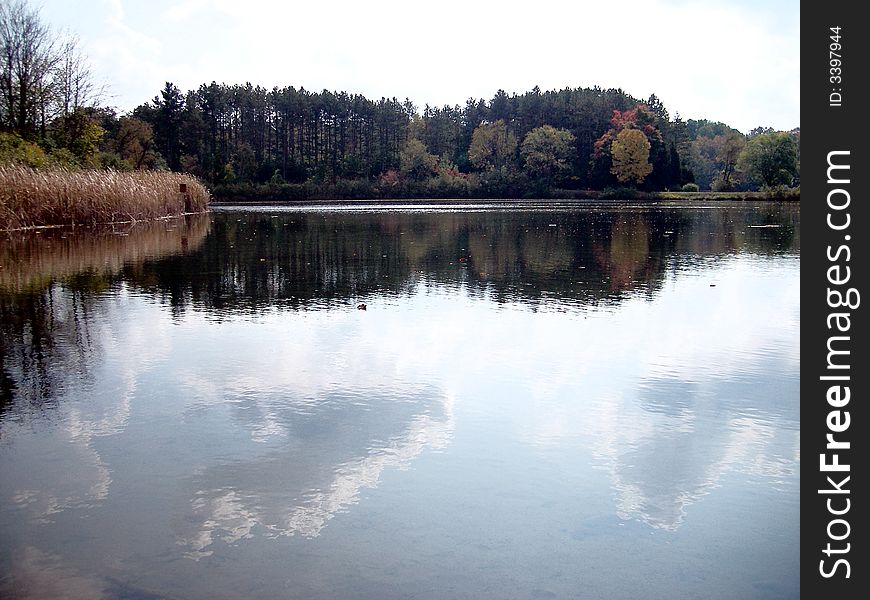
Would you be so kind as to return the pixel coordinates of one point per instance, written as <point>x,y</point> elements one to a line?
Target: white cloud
<point>185,10</point>
<point>704,59</point>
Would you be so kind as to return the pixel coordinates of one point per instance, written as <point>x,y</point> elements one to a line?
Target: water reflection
<point>602,372</point>
<point>334,453</point>
<point>676,395</point>
<point>52,286</point>
<point>662,458</point>
<point>40,574</point>
<point>297,260</point>
<point>90,257</point>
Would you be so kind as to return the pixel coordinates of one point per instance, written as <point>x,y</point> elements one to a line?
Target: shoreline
<point>100,225</point>
<point>666,199</point>
<point>268,195</point>
<point>411,203</point>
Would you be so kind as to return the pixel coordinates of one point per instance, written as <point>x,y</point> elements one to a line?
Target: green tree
<point>630,156</point>
<point>714,159</point>
<point>79,133</point>
<point>415,161</point>
<point>547,151</point>
<point>770,159</point>
<point>442,130</point>
<point>702,158</point>
<point>493,147</point>
<point>165,114</point>
<point>15,149</point>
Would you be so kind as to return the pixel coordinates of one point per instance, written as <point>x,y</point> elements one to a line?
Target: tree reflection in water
<point>211,385</point>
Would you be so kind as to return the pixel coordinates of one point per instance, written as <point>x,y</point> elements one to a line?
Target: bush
<point>15,149</point>
<point>690,187</point>
<point>619,193</point>
<point>782,192</point>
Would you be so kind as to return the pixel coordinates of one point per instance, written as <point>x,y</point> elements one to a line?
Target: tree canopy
<point>492,146</point>
<point>630,156</point>
<point>547,151</point>
<point>771,158</point>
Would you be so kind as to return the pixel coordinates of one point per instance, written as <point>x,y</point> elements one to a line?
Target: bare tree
<point>73,83</point>
<point>29,58</point>
<point>43,75</point>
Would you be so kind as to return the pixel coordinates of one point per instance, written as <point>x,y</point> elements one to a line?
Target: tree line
<point>231,135</point>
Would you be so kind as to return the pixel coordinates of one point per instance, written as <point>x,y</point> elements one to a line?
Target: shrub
<point>620,193</point>
<point>782,192</point>
<point>690,187</point>
<point>16,150</point>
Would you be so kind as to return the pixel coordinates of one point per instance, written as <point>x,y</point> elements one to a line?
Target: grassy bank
<point>33,198</point>
<point>790,194</point>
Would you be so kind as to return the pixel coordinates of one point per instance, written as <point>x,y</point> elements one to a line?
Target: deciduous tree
<point>73,82</point>
<point>29,56</point>
<point>415,161</point>
<point>728,149</point>
<point>78,132</point>
<point>42,75</point>
<point>493,147</point>
<point>770,158</point>
<point>547,151</point>
<point>135,142</point>
<point>630,156</point>
<point>642,119</point>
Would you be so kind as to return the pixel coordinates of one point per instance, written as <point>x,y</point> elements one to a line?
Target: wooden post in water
<point>188,205</point>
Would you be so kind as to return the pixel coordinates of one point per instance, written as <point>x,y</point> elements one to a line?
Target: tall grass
<point>31,198</point>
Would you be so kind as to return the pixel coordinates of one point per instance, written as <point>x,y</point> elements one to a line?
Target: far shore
<point>579,198</point>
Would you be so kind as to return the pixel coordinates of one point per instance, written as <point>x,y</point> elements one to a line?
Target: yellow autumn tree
<point>630,156</point>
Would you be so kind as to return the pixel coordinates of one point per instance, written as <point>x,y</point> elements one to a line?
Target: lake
<point>484,401</point>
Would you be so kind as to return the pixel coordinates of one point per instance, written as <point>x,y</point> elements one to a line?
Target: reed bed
<point>34,198</point>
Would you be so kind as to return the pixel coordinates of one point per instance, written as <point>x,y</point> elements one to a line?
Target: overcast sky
<point>735,61</point>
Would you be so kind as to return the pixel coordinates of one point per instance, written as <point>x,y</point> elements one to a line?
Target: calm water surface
<point>550,403</point>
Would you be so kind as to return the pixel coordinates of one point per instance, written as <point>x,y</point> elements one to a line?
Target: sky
<point>735,61</point>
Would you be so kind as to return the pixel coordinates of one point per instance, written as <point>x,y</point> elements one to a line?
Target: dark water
<point>555,403</point>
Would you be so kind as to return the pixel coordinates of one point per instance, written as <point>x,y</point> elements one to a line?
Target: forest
<point>287,143</point>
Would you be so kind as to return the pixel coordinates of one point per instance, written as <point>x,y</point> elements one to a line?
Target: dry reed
<point>33,198</point>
